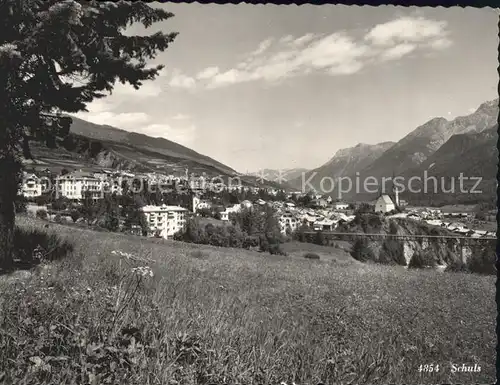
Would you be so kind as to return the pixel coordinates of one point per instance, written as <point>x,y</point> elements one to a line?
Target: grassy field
<point>338,254</point>
<point>213,315</point>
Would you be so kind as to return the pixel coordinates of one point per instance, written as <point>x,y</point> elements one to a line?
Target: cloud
<point>148,89</point>
<point>180,117</point>
<point>263,46</point>
<point>180,80</point>
<point>286,39</point>
<point>207,73</point>
<point>441,43</point>
<point>303,40</point>
<point>336,54</point>
<point>335,50</point>
<point>140,122</point>
<point>123,120</point>
<point>406,29</point>
<point>398,51</point>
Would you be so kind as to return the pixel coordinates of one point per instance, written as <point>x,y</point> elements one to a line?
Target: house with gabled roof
<point>384,204</point>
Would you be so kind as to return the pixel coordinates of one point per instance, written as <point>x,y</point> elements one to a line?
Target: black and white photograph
<point>209,194</point>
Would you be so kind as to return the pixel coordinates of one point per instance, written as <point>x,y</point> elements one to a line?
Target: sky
<point>270,86</point>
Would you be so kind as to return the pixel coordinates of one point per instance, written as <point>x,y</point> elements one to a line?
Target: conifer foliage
<point>55,58</point>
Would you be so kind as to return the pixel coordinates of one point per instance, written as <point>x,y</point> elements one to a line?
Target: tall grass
<point>239,317</point>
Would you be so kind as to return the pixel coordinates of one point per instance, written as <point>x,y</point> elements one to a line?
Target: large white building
<point>165,220</point>
<point>74,185</point>
<point>236,208</point>
<point>289,222</point>
<point>32,186</point>
<point>340,206</point>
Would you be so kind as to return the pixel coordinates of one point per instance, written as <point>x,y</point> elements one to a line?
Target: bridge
<point>464,244</point>
<point>353,236</point>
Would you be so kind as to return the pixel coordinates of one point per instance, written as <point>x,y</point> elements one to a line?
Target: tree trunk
<point>9,181</point>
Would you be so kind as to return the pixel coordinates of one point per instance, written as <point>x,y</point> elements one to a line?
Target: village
<point>293,208</point>
<point>196,194</point>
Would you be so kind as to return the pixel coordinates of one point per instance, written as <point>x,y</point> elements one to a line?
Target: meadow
<point>131,310</point>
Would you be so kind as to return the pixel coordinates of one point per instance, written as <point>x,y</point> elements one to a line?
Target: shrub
<point>198,254</point>
<point>393,227</point>
<point>20,204</point>
<point>422,259</point>
<point>236,236</point>
<point>483,262</point>
<point>319,238</point>
<point>311,256</point>
<point>60,204</point>
<point>75,215</point>
<point>392,252</point>
<point>49,245</point>
<point>299,234</point>
<point>41,213</point>
<point>457,267</point>
<point>250,241</point>
<point>369,222</point>
<point>43,199</point>
<point>434,231</point>
<point>361,251</point>
<point>58,218</point>
<point>364,208</point>
<point>263,243</point>
<point>275,249</point>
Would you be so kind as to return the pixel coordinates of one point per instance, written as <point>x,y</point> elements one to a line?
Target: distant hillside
<point>157,145</point>
<point>477,154</point>
<point>276,175</point>
<point>472,155</point>
<point>92,147</point>
<point>345,162</point>
<point>466,144</point>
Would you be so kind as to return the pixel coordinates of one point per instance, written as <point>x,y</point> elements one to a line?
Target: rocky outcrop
<point>437,251</point>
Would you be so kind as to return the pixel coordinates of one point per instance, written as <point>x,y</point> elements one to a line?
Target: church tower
<point>395,190</point>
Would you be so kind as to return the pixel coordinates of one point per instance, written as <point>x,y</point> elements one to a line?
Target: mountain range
<point>465,144</point>
<point>93,146</point>
<point>441,148</point>
<point>280,176</point>
<point>161,146</point>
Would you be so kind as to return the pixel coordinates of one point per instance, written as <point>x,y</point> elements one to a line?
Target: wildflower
<point>122,254</point>
<point>143,271</point>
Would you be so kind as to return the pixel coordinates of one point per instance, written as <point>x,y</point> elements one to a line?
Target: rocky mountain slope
<point>160,146</point>
<point>466,144</point>
<point>393,251</point>
<point>277,175</point>
<point>345,162</point>
<point>421,143</point>
<point>472,156</point>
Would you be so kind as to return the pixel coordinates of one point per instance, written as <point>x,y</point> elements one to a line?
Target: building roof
<point>386,199</point>
<point>162,208</point>
<point>78,175</point>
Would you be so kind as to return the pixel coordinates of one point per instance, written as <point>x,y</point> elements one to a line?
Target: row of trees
<point>255,227</point>
<point>113,212</point>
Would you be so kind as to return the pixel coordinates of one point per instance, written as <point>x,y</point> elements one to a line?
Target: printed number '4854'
<point>428,368</point>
